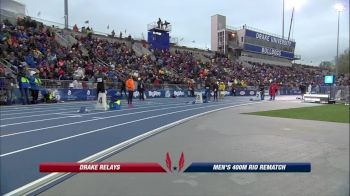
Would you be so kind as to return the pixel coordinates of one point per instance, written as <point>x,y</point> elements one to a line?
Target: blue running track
<point>57,132</point>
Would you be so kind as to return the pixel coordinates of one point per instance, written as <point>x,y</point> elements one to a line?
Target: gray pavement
<point>231,136</point>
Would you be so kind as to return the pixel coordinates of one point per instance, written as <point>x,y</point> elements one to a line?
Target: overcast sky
<point>315,24</point>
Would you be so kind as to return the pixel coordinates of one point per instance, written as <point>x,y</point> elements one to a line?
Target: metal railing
<point>109,84</point>
<point>155,26</point>
<point>9,67</point>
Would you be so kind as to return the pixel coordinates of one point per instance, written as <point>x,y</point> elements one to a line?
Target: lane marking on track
<point>104,112</point>
<point>99,118</point>
<point>78,122</point>
<point>52,107</point>
<point>88,107</point>
<point>69,115</point>
<point>101,129</point>
<point>43,105</point>
<point>44,110</point>
<point>43,182</point>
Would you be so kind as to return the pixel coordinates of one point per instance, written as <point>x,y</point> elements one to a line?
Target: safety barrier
<point>65,90</point>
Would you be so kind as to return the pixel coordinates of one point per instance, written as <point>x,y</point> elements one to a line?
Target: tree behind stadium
<point>344,62</point>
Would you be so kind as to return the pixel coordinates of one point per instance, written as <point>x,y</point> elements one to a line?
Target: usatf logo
<point>171,168</point>
<point>154,94</point>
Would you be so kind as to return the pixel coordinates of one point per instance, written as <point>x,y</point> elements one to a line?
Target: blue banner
<point>90,94</point>
<point>269,38</point>
<point>223,167</point>
<point>268,51</point>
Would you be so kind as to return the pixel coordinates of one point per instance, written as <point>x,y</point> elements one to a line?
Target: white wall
<point>13,7</point>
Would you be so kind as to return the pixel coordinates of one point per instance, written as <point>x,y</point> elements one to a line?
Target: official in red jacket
<point>273,90</point>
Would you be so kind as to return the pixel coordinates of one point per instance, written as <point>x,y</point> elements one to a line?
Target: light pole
<point>339,7</point>
<point>66,14</point>
<point>283,21</point>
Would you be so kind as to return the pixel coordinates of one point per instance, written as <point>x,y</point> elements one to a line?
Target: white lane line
<point>45,110</point>
<point>78,122</point>
<point>42,109</point>
<point>101,129</point>
<point>46,114</point>
<point>48,119</point>
<point>42,105</point>
<point>50,178</point>
<point>99,118</point>
<point>69,115</point>
<point>52,109</point>
<point>45,105</point>
<point>34,115</point>
<point>70,104</point>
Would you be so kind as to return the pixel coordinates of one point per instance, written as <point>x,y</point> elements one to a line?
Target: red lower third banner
<point>113,167</point>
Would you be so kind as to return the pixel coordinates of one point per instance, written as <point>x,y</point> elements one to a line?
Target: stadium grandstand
<point>72,57</point>
<point>222,121</point>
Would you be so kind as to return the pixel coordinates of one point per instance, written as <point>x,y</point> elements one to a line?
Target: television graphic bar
<point>112,167</point>
<point>223,167</point>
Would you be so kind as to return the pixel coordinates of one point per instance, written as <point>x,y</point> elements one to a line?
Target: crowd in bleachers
<point>33,45</point>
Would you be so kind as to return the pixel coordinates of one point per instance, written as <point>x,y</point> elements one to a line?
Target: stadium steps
<point>61,40</point>
<point>9,68</point>
<point>245,64</point>
<point>137,50</point>
<point>118,73</point>
<point>141,51</point>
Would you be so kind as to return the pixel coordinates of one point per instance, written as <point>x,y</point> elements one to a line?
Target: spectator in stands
<point>113,33</point>
<point>75,28</point>
<point>30,60</point>
<point>10,84</point>
<point>159,23</point>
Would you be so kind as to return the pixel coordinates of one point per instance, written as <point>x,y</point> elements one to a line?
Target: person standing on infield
<point>216,89</point>
<point>141,89</point>
<point>100,78</point>
<point>130,86</point>
<point>123,88</point>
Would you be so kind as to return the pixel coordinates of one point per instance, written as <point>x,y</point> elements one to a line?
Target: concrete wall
<point>218,22</point>
<point>13,7</point>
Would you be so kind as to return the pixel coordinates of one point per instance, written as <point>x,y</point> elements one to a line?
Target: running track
<point>56,132</point>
